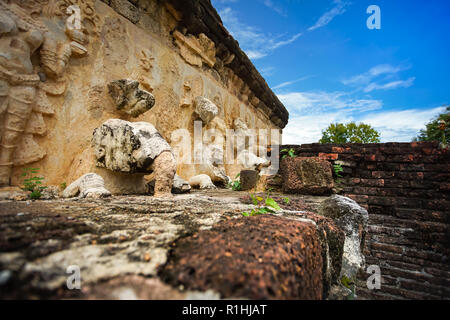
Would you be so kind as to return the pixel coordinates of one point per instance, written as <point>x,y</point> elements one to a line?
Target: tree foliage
<point>350,133</point>
<point>432,131</point>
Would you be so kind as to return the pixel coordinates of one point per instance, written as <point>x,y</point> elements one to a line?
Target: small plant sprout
<point>349,284</point>
<point>236,184</point>
<point>288,153</point>
<point>33,183</point>
<point>337,168</point>
<point>263,206</point>
<point>286,200</point>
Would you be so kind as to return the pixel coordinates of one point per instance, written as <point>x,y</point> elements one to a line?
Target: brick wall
<point>406,189</point>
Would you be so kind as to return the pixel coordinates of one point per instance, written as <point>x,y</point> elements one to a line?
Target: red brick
<point>328,156</point>
<point>373,182</point>
<point>337,149</point>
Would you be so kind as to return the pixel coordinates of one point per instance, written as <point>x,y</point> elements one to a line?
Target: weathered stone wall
<point>405,187</point>
<point>141,40</point>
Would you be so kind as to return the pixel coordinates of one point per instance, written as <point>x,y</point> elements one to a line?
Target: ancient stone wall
<point>148,41</point>
<point>405,187</point>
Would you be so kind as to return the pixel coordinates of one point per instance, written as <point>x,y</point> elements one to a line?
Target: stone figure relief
<point>129,99</point>
<point>135,148</point>
<point>205,109</point>
<point>90,185</point>
<point>90,21</point>
<point>24,86</point>
<point>213,151</point>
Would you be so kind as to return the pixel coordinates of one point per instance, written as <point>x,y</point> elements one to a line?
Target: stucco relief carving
<point>143,74</point>
<point>192,88</point>
<point>196,50</point>
<point>25,82</point>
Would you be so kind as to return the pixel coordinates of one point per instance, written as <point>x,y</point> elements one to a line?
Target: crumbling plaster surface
<point>119,49</point>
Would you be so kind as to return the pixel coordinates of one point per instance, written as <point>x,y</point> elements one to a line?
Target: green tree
<point>350,133</point>
<point>432,132</point>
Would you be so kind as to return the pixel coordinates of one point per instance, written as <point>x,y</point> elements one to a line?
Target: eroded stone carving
<point>196,51</point>
<point>205,109</point>
<point>250,161</point>
<point>192,87</point>
<point>144,73</point>
<point>245,157</point>
<point>90,185</point>
<point>202,181</point>
<point>90,20</point>
<point>22,95</point>
<point>126,147</point>
<point>213,152</point>
<point>353,220</point>
<point>129,98</point>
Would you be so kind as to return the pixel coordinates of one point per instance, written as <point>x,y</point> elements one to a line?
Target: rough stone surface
<point>90,185</point>
<point>164,169</point>
<point>140,288</point>
<point>106,238</point>
<point>127,147</point>
<point>263,257</point>
<point>332,240</point>
<point>248,179</point>
<point>353,219</point>
<point>202,181</point>
<point>179,186</point>
<point>250,161</point>
<point>122,244</point>
<point>307,176</point>
<point>13,193</point>
<point>129,98</point>
<point>205,109</point>
<point>50,193</point>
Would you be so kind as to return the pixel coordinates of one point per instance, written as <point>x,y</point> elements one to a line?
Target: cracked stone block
<point>307,176</point>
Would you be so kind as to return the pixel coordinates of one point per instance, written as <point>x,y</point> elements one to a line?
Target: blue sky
<point>326,66</point>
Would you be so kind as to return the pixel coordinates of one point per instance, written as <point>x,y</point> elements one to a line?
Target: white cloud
<point>365,78</point>
<point>288,83</point>
<point>390,85</point>
<point>311,112</point>
<point>338,9</point>
<point>270,4</point>
<point>377,79</point>
<point>254,42</point>
<point>321,101</point>
<point>308,128</point>
<point>267,71</point>
<point>400,126</point>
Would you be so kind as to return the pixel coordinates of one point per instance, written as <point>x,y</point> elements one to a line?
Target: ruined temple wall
<point>125,42</point>
<point>405,187</point>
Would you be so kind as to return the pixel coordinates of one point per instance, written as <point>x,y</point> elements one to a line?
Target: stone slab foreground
<point>195,245</point>
<point>262,257</point>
